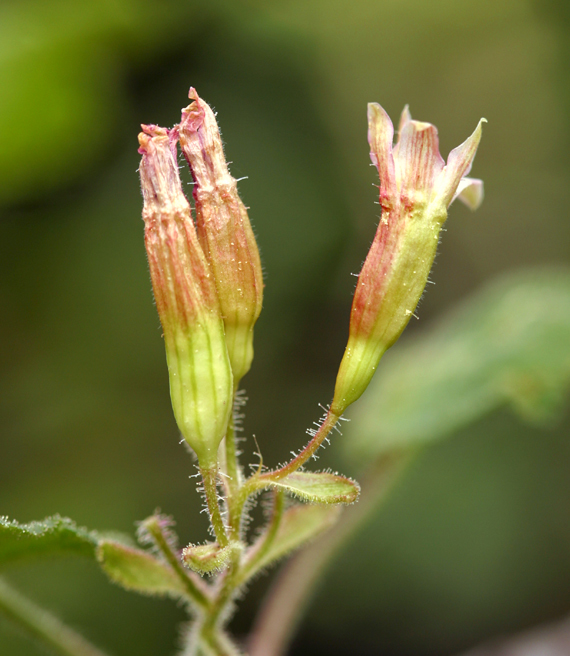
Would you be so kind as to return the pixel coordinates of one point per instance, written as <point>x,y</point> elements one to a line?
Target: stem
<point>278,507</point>
<point>43,625</point>
<point>210,631</point>
<point>192,583</point>
<point>233,482</point>
<point>232,465</point>
<point>292,591</point>
<point>328,424</point>
<point>209,476</point>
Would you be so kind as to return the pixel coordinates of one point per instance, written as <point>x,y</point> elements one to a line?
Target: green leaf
<point>319,487</point>
<point>299,524</point>
<point>508,344</point>
<point>138,570</point>
<point>52,536</point>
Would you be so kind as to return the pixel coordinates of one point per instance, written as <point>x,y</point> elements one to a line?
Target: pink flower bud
<point>416,188</point>
<point>201,385</point>
<point>224,232</point>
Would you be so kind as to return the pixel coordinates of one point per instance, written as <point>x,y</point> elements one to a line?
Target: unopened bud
<point>416,188</point>
<point>224,232</point>
<point>201,385</point>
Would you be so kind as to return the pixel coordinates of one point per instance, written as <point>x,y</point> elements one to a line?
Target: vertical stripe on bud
<point>201,385</point>
<point>224,232</point>
<point>416,188</point>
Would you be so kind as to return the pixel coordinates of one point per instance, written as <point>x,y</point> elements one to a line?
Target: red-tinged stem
<point>299,460</point>
<point>195,588</point>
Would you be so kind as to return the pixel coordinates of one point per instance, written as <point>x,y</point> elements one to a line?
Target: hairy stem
<point>43,626</point>
<point>233,481</point>
<point>193,584</point>
<point>209,479</point>
<point>211,630</point>
<point>325,428</point>
<point>292,591</point>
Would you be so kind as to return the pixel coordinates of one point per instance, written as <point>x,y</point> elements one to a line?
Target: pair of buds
<point>207,277</point>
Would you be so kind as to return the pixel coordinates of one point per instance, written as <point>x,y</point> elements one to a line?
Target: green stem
<point>210,630</point>
<point>233,481</point>
<point>209,479</point>
<point>271,532</point>
<point>43,625</point>
<point>232,464</point>
<point>193,584</point>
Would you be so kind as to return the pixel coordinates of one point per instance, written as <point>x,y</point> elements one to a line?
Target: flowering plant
<point>208,285</point>
<point>208,288</point>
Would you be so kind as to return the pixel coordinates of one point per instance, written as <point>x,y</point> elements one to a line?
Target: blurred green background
<point>476,540</point>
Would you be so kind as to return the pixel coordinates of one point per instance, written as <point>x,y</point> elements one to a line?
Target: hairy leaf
<point>138,570</point>
<point>319,487</point>
<point>52,536</point>
<point>508,344</point>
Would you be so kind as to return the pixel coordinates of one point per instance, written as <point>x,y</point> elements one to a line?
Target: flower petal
<point>458,165</point>
<point>418,162</point>
<point>470,191</point>
<point>405,117</point>
<point>380,137</point>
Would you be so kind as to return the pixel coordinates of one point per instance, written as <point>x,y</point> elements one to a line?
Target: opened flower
<point>416,188</point>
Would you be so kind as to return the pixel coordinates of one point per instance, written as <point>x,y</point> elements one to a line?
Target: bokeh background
<point>475,541</point>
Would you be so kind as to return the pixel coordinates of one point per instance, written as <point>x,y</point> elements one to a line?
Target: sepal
<point>209,558</point>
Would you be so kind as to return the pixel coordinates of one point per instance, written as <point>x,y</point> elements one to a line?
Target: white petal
<point>458,165</point>
<point>380,135</point>
<point>470,191</point>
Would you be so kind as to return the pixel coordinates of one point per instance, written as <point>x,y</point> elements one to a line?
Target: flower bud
<point>416,188</point>
<point>201,385</point>
<point>224,232</point>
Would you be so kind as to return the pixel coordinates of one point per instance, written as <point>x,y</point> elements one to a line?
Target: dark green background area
<point>476,540</point>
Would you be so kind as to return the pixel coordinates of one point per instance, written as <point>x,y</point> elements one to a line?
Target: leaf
<point>138,570</point>
<point>508,344</point>
<point>299,524</point>
<point>319,487</point>
<point>52,536</point>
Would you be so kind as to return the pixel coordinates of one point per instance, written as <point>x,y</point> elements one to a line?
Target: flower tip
<point>154,130</point>
<point>193,116</point>
<point>143,142</point>
<point>405,117</point>
<point>149,132</point>
<point>377,113</point>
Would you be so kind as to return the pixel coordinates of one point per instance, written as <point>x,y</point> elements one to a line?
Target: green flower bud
<point>201,385</point>
<point>224,232</point>
<point>416,188</point>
